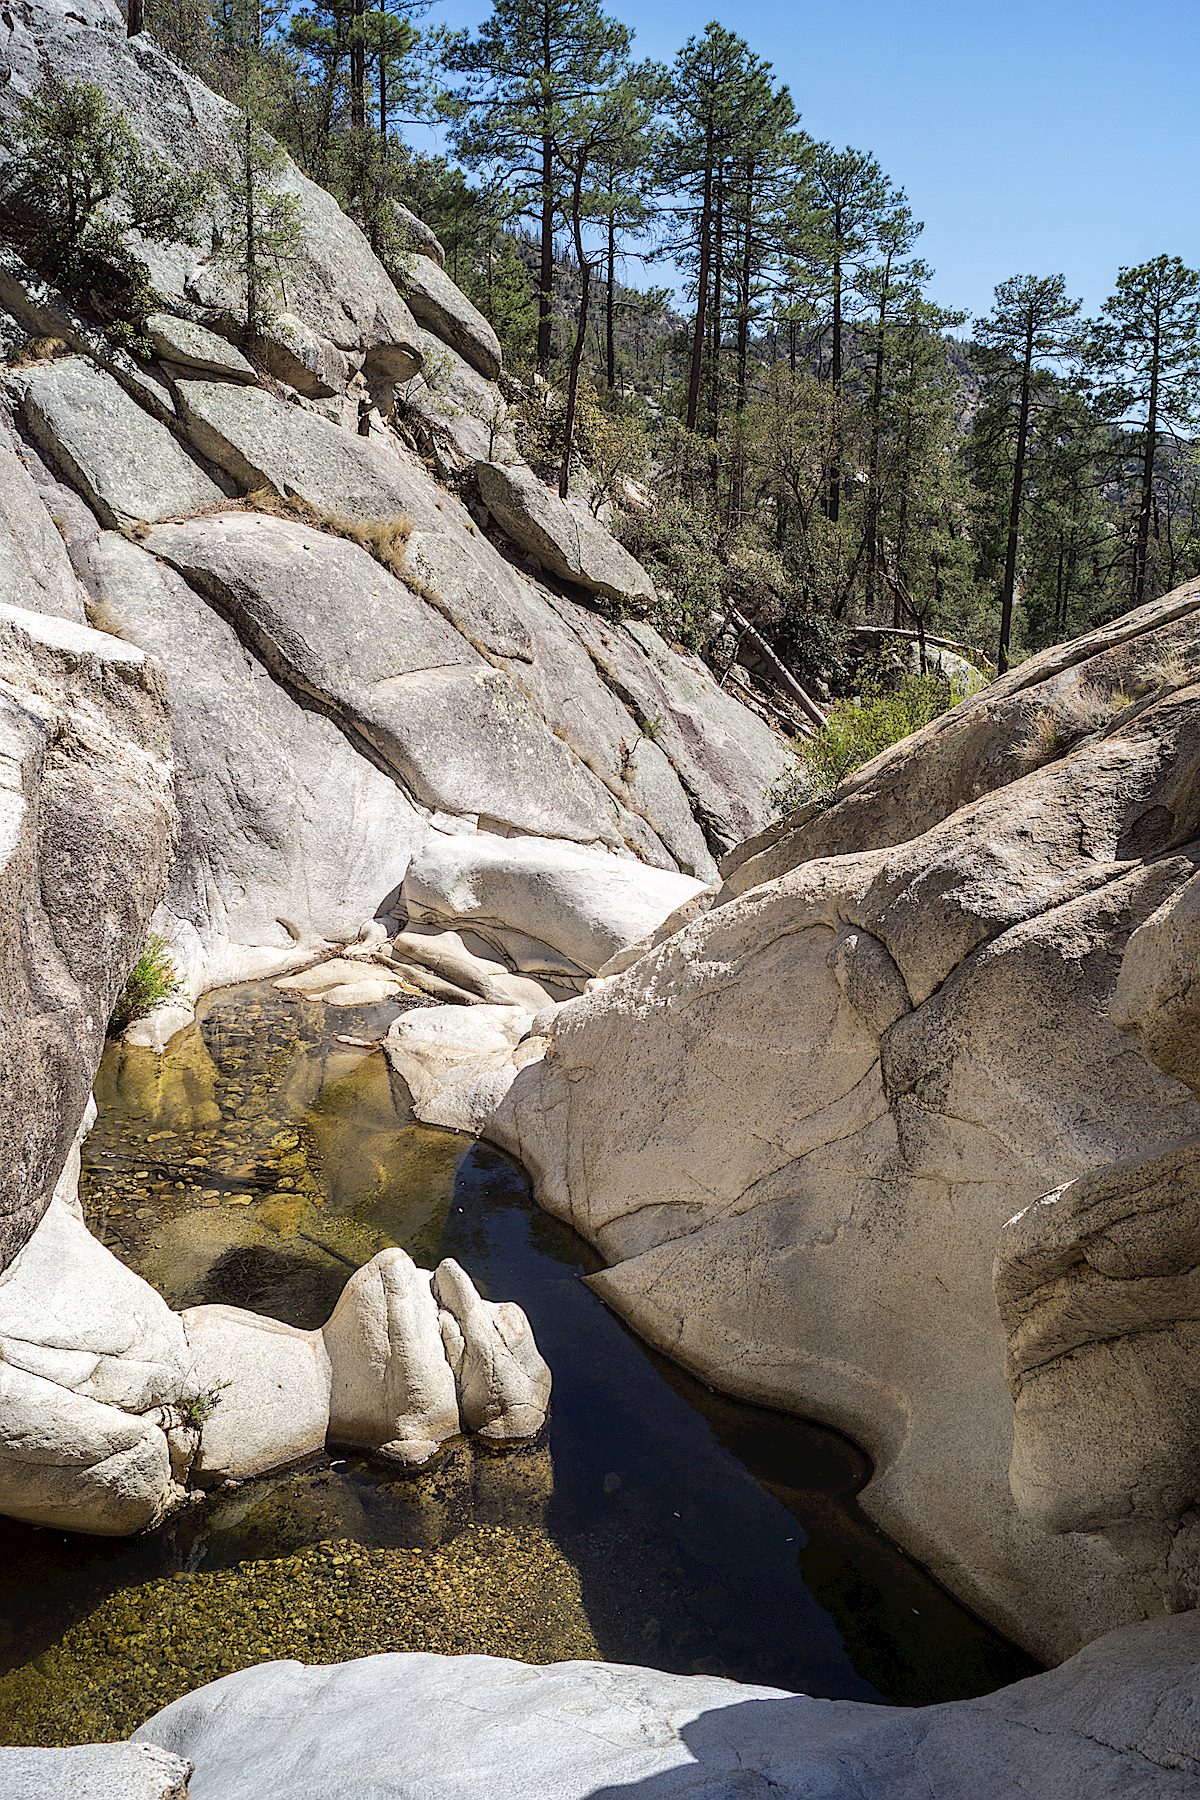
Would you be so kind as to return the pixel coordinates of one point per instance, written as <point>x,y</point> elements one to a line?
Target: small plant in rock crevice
<point>151,982</point>
<point>197,1409</point>
<point>385,539</point>
<point>1072,716</point>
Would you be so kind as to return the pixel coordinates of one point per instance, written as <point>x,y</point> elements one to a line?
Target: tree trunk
<point>545,324</point>
<point>383,81</point>
<point>716,319</point>
<point>737,492</point>
<point>610,342</point>
<point>696,370</point>
<point>1014,504</point>
<point>545,321</point>
<point>1142,554</point>
<point>834,510</point>
<point>135,18</point>
<point>585,282</point>
<point>250,201</point>
<point>358,67</point>
<point>873,497</point>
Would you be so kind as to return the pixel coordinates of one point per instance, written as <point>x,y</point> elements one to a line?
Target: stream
<point>257,1163</point>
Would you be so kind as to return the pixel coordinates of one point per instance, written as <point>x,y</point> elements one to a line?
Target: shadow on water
<point>259,1162</point>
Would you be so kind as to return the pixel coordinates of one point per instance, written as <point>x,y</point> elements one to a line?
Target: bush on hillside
<point>75,183</point>
<point>860,728</point>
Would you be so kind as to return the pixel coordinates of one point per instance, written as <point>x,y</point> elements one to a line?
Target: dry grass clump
<point>1173,669</point>
<point>38,349</point>
<point>385,539</point>
<point>1074,715</point>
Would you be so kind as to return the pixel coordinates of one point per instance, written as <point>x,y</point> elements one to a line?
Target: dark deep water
<point>654,1522</point>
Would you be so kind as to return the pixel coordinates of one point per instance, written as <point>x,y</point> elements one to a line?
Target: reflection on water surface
<point>257,1163</point>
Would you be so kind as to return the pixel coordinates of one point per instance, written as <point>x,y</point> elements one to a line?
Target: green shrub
<point>152,981</point>
<point>75,183</point>
<point>859,728</point>
<point>675,542</point>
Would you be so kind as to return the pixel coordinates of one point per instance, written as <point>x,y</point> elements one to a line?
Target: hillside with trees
<point>723,329</point>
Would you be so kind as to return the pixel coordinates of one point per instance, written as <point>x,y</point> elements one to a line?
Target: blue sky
<point>1030,138</point>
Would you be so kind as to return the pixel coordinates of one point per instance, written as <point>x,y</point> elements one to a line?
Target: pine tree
<point>843,203</point>
<point>76,183</point>
<point>1146,352</point>
<point>1032,323</point>
<point>885,287</point>
<point>721,100</point>
<point>596,145</point>
<point>262,226</point>
<point>513,81</point>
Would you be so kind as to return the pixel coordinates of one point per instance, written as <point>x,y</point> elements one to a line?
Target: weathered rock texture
<point>85,840</point>
<point>35,570</point>
<point>94,1772</point>
<point>795,1129</point>
<point>1098,1286</point>
<point>1119,1720</point>
<point>439,305</point>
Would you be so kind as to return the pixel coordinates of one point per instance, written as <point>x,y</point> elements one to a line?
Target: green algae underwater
<point>266,1155</point>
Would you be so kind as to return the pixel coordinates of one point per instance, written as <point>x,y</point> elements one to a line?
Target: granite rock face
<point>1098,1290</point>
<point>124,462</point>
<point>443,309</point>
<point>1117,1722</point>
<point>290,841</point>
<point>344,707</point>
<point>35,570</point>
<point>86,823</point>
<point>562,539</point>
<point>812,1109</point>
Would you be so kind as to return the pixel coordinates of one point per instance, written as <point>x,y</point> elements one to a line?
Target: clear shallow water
<point>260,1161</point>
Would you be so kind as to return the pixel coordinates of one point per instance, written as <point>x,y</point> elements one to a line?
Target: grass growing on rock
<point>152,981</point>
<point>490,1591</point>
<point>385,539</point>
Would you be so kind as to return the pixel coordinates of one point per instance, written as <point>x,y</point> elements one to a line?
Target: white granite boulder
<point>457,1062</point>
<point>192,347</point>
<point>1118,1722</point>
<point>445,310</point>
<point>94,1367</point>
<point>502,1381</point>
<point>393,1389</point>
<point>262,1392</point>
<point>578,900</point>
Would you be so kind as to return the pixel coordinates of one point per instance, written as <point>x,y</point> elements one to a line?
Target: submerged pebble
<point>490,1591</point>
